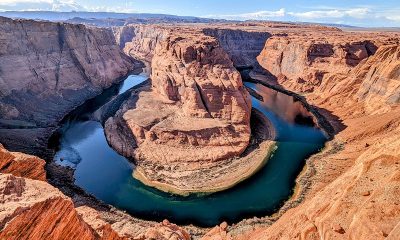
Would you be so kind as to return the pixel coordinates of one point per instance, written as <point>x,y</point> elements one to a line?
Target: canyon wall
<point>353,191</point>
<point>301,62</point>
<point>139,41</point>
<point>243,47</point>
<point>47,69</point>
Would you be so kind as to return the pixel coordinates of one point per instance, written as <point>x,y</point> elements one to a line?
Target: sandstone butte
<point>187,133</point>
<point>350,190</point>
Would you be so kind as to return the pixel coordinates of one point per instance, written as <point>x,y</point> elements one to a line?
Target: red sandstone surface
<point>354,186</point>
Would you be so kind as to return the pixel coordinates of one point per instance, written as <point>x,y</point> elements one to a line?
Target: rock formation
<point>242,46</point>
<point>354,183</point>
<point>46,70</point>
<point>139,41</point>
<point>301,62</point>
<point>196,115</point>
<point>22,165</point>
<point>33,209</point>
<point>350,190</point>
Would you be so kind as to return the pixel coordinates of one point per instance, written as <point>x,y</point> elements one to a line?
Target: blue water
<point>107,175</point>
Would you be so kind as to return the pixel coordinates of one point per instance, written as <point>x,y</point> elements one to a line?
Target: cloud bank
<point>358,16</point>
<point>57,6</point>
<point>362,16</point>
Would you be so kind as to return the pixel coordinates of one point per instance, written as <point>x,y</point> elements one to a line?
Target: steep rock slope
<point>139,41</point>
<point>47,69</point>
<point>301,62</point>
<point>21,165</point>
<point>354,187</point>
<point>242,46</point>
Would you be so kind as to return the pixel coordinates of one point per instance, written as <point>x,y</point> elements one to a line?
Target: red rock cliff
<point>47,69</point>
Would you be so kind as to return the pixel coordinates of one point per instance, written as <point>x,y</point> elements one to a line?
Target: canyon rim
<point>155,126</point>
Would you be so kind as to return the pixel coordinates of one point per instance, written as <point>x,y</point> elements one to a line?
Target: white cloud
<point>15,2</point>
<point>259,15</point>
<point>264,14</point>
<point>116,9</point>
<point>394,18</point>
<point>59,6</point>
<point>66,6</point>
<point>45,5</point>
<point>333,13</point>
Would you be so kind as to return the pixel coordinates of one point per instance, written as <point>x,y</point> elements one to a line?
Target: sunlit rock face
<point>358,94</point>
<point>196,112</point>
<point>301,63</point>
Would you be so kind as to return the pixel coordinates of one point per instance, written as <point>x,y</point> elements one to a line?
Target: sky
<point>368,13</point>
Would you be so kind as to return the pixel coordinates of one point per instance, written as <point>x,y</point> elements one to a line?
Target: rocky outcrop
<point>192,122</point>
<point>302,62</point>
<point>242,46</point>
<point>166,230</point>
<point>47,69</point>
<point>380,88</point>
<point>56,215</point>
<point>22,165</point>
<point>370,88</point>
<point>345,198</point>
<point>139,41</point>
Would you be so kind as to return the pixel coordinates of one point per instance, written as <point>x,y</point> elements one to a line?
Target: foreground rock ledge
<point>189,131</point>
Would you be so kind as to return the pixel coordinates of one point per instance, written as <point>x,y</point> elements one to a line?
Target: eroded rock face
<point>197,76</point>
<point>47,69</point>
<point>56,215</point>
<point>301,62</point>
<point>139,41</point>
<point>242,46</point>
<point>346,199</point>
<point>371,87</point>
<point>196,114</point>
<point>22,165</point>
<point>380,89</point>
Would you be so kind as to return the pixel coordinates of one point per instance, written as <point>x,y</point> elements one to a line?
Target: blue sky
<point>362,13</point>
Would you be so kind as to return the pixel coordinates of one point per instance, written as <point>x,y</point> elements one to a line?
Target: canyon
<point>47,69</point>
<point>195,115</point>
<point>195,118</point>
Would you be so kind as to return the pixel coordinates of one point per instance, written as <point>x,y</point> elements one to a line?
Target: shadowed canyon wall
<point>47,69</point>
<point>242,46</point>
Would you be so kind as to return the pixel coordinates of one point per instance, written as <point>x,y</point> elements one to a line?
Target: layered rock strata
<point>302,62</point>
<point>139,41</point>
<point>353,184</point>
<point>194,119</point>
<point>21,165</point>
<point>46,70</point>
<point>242,46</point>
